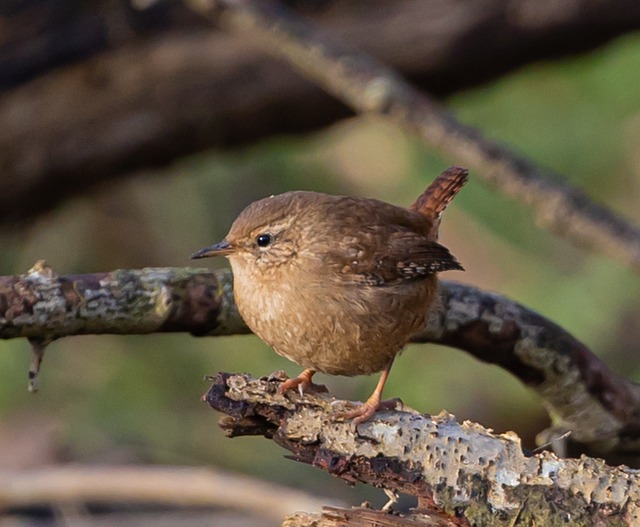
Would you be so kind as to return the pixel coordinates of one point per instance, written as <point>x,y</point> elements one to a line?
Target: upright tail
<point>438,195</point>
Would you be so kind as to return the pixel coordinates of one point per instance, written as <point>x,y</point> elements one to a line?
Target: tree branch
<point>161,87</point>
<point>172,486</point>
<point>463,470</point>
<point>367,86</point>
<point>580,393</point>
<point>43,305</point>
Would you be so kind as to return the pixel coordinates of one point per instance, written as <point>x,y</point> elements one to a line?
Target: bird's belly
<point>335,335</point>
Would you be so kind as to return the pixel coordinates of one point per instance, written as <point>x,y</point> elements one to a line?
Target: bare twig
<point>368,86</point>
<point>579,391</point>
<point>475,476</point>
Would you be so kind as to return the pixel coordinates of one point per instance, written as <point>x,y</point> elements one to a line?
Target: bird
<point>339,284</point>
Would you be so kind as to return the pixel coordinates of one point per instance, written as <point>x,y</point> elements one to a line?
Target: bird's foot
<point>362,412</point>
<point>302,383</point>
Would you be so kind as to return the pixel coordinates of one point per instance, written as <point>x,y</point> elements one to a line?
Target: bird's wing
<point>404,256</point>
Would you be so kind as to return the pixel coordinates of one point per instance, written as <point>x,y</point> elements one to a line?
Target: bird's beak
<point>217,249</point>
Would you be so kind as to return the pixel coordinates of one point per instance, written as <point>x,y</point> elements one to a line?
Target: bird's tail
<point>438,195</point>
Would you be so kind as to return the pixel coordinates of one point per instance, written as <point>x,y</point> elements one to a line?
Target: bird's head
<point>266,234</point>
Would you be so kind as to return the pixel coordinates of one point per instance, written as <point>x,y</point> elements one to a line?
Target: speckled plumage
<point>344,282</point>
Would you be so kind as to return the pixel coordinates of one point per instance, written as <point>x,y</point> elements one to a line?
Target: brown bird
<point>338,284</point>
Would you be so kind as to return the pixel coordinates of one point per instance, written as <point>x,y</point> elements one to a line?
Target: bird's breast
<point>329,326</point>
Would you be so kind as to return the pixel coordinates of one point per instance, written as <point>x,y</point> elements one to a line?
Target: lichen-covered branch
<point>581,394</point>
<point>44,305</point>
<point>463,470</point>
<point>578,390</point>
<point>368,86</point>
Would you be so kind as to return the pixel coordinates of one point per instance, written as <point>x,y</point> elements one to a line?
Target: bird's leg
<point>302,382</point>
<point>363,412</point>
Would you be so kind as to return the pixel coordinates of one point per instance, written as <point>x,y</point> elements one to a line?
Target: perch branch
<point>578,390</point>
<point>367,86</point>
<point>464,470</point>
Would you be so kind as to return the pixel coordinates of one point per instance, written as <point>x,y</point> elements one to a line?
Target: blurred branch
<point>581,394</point>
<point>173,486</point>
<point>463,470</point>
<point>367,86</point>
<point>95,90</point>
<point>452,43</point>
<point>367,517</point>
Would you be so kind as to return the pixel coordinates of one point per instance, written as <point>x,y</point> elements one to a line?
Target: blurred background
<point>88,192</point>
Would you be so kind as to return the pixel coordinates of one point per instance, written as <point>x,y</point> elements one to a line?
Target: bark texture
<point>459,469</point>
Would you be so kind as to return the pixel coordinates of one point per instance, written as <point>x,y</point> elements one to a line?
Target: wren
<point>339,284</point>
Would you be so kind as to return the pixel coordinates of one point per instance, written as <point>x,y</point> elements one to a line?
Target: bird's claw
<point>292,384</point>
<point>362,412</point>
<point>303,384</point>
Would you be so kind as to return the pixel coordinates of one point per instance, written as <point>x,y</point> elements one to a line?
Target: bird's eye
<point>263,240</point>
